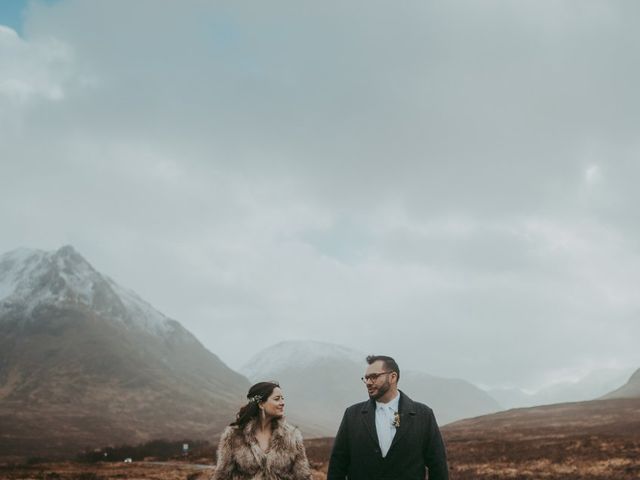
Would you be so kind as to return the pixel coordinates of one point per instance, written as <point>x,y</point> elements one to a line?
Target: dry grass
<point>106,471</point>
<point>586,441</point>
<point>581,441</point>
<point>115,471</point>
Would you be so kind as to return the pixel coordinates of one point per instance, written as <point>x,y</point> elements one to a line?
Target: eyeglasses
<point>372,377</point>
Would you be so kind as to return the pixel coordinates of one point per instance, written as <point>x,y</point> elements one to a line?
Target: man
<point>388,437</point>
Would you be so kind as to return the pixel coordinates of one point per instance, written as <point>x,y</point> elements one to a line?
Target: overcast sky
<point>452,183</point>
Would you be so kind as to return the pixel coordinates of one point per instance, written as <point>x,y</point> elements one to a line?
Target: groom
<point>388,437</point>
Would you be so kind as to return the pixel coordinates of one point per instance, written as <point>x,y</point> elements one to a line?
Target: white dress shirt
<point>385,416</point>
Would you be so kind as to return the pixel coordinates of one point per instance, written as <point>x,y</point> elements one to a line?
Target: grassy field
<point>597,440</point>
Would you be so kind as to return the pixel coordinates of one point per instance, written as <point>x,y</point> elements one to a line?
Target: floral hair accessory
<point>396,419</point>
<point>255,399</point>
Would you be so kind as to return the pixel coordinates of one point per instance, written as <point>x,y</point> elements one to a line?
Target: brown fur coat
<point>241,458</point>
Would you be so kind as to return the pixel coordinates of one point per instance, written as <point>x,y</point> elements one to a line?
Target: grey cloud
<point>296,169</point>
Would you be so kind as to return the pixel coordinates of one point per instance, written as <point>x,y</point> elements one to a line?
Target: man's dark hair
<point>389,363</point>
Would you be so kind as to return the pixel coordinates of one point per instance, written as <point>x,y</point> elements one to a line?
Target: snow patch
<point>300,354</point>
<point>142,313</point>
<point>16,268</point>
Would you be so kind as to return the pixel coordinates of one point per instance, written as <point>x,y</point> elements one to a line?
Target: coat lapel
<point>369,419</point>
<point>407,415</point>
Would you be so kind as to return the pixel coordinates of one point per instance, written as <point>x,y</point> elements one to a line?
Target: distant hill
<point>590,387</point>
<point>598,439</point>
<point>321,379</point>
<point>450,398</point>
<point>85,362</point>
<point>629,390</point>
<point>597,416</point>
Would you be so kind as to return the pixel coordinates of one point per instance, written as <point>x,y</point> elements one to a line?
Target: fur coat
<point>241,458</point>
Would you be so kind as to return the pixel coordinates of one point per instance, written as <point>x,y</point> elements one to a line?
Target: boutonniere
<point>396,419</point>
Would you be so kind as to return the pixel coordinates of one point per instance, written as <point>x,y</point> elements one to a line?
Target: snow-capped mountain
<point>30,278</point>
<point>88,363</point>
<point>321,379</point>
<point>305,354</point>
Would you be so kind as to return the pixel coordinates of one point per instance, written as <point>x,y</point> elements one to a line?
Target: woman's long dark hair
<point>258,393</point>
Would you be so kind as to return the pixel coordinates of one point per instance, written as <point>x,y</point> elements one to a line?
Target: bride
<point>260,444</point>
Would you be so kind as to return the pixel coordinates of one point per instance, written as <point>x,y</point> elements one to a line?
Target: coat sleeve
<point>301,469</point>
<point>340,457</point>
<point>435,454</point>
<point>225,464</point>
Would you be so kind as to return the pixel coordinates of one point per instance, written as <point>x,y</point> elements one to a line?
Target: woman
<point>260,444</point>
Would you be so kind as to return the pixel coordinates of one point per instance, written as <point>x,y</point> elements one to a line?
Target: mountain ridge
<point>87,363</point>
<point>327,381</point>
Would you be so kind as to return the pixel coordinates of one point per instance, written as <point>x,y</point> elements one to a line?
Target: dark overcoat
<point>417,446</point>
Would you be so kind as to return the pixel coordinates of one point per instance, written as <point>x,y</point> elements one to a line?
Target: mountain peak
<point>67,251</point>
<point>32,278</point>
<point>36,275</point>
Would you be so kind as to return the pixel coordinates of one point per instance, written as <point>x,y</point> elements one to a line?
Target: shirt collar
<point>392,404</point>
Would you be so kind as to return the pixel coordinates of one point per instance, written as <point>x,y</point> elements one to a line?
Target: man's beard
<point>384,388</point>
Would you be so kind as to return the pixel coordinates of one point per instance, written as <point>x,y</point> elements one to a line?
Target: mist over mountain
<point>631,389</point>
<point>320,380</point>
<point>85,362</point>
<point>592,386</point>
